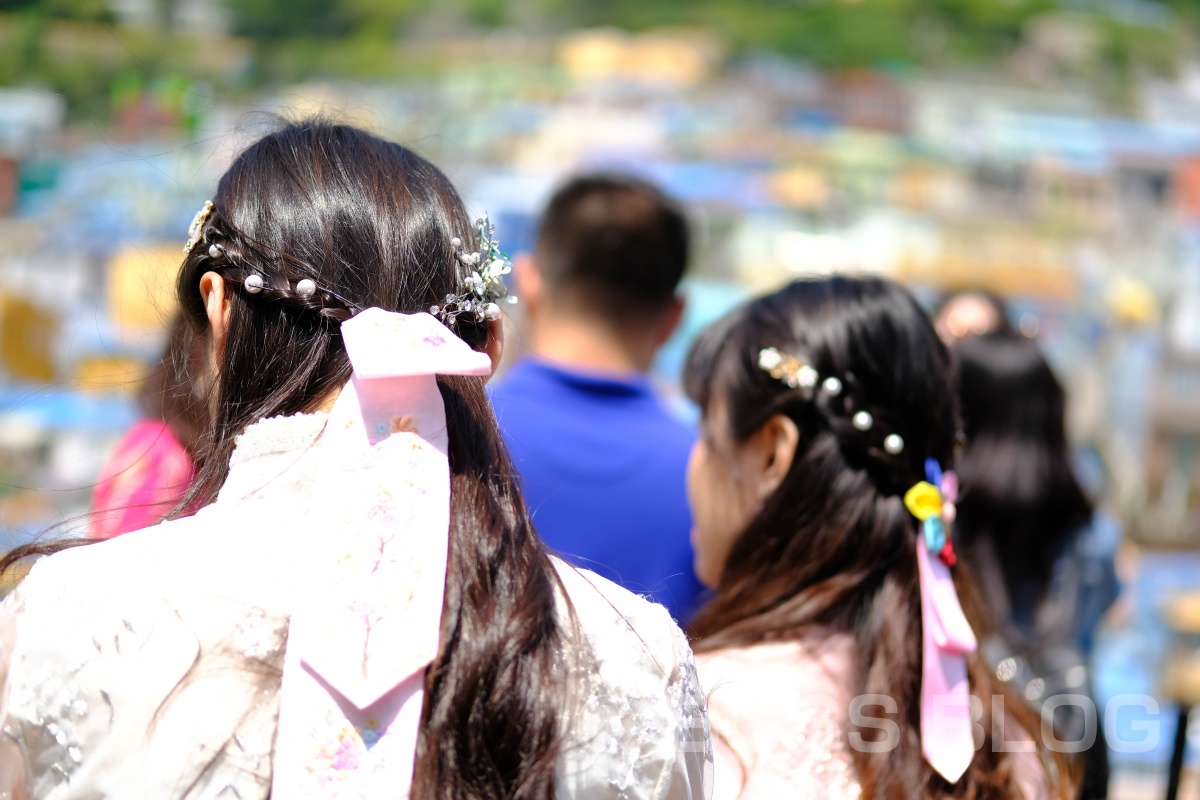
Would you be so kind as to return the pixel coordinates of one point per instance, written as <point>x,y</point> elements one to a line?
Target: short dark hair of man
<point>612,245</point>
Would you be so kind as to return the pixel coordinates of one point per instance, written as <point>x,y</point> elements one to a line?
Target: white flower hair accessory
<point>484,286</point>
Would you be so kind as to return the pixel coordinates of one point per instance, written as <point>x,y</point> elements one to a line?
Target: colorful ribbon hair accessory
<point>367,623</point>
<point>947,741</point>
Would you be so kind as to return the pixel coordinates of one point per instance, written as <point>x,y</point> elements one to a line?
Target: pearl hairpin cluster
<point>484,286</point>
<point>796,374</point>
<point>481,289</point>
<point>255,283</point>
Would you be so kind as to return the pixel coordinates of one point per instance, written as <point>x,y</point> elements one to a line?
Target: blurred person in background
<point>601,459</point>
<point>1044,557</point>
<point>971,312</point>
<point>821,520</point>
<point>360,607</point>
<point>150,470</point>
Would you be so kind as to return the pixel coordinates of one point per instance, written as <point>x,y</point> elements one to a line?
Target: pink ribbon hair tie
<point>947,739</point>
<point>368,622</point>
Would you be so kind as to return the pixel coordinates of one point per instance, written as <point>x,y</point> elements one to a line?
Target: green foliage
<point>271,21</point>
<point>296,39</point>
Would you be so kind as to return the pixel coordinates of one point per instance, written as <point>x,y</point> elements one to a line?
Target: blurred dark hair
<point>993,300</point>
<point>371,223</point>
<point>833,545</point>
<point>173,390</point>
<point>1019,490</point>
<point>613,245</point>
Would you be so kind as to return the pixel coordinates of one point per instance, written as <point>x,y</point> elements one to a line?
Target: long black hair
<point>834,546</point>
<point>371,223</point>
<point>1020,493</point>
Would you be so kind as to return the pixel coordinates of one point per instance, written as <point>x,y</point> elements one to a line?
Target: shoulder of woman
<point>79,581</point>
<point>637,719</point>
<point>764,699</point>
<point>813,668</point>
<point>606,611</point>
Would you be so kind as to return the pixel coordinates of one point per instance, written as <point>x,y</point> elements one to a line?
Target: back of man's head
<point>613,246</point>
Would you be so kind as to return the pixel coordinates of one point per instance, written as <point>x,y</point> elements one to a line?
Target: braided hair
<point>310,224</point>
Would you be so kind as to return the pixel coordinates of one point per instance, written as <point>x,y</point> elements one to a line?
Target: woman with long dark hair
<point>360,608</point>
<point>838,658</point>
<point>1044,558</point>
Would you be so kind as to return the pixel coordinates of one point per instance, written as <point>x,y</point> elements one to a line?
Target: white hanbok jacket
<point>147,667</point>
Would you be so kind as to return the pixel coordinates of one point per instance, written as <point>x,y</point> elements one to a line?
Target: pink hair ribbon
<point>946,639</point>
<point>947,741</point>
<point>368,625</point>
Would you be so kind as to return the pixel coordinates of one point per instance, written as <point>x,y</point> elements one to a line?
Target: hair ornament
<point>306,287</point>
<point>862,421</point>
<point>196,229</point>
<point>831,386</point>
<point>484,286</point>
<point>893,443</point>
<point>374,622</point>
<point>947,741</point>
<point>789,369</point>
<point>253,283</point>
<point>932,501</point>
<point>214,251</point>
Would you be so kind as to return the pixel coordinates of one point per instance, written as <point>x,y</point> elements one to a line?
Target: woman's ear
<point>495,345</point>
<point>774,447</point>
<point>216,306</point>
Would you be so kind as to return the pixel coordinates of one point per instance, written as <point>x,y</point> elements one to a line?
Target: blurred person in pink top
<point>147,475</point>
<point>837,655</point>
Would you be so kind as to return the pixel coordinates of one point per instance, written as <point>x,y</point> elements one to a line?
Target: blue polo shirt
<point>603,465</point>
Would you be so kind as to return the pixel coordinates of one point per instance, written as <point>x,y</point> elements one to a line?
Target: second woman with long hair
<point>837,655</point>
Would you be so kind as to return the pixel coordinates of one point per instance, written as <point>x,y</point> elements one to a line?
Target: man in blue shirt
<point>602,461</point>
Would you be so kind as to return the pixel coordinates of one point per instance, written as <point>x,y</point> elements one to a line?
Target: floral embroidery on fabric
<point>55,704</point>
<point>630,731</point>
<point>816,761</point>
<point>347,755</point>
<point>687,697</point>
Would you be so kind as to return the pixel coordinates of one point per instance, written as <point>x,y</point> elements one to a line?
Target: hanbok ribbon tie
<point>368,624</point>
<point>947,741</point>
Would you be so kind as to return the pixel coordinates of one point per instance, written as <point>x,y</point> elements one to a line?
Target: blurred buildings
<point>1088,221</point>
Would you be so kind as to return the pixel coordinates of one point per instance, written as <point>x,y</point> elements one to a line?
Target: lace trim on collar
<point>275,435</point>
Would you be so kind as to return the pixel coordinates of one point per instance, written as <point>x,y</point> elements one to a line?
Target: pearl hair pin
<point>797,374</point>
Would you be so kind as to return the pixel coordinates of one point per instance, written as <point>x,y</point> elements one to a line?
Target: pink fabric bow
<point>358,646</point>
<point>946,638</point>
